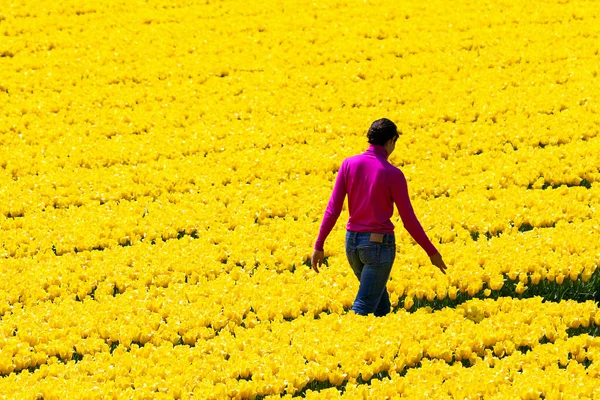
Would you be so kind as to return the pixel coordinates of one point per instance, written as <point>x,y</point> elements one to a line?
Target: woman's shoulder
<point>355,159</point>
<point>394,171</point>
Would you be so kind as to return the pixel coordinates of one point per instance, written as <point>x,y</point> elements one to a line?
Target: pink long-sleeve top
<point>373,186</point>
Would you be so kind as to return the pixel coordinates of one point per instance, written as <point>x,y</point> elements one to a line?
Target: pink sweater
<point>373,186</point>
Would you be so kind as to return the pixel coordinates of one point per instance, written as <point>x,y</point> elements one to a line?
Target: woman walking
<point>373,186</point>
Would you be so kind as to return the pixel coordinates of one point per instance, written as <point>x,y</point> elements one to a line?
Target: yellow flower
<point>452,290</point>
<point>520,288</point>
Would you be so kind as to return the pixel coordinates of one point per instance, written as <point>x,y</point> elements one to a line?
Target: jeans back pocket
<point>369,255</point>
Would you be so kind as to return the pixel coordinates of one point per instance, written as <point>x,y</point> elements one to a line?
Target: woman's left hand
<point>317,259</point>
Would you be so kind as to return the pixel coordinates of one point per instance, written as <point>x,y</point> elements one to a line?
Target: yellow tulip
<point>520,288</point>
<point>560,278</point>
<point>452,291</point>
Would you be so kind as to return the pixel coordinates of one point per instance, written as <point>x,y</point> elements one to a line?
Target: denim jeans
<point>372,263</point>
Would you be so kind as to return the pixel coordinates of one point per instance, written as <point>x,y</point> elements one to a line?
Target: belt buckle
<point>376,237</point>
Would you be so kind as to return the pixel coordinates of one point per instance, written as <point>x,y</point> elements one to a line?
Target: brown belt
<point>376,237</point>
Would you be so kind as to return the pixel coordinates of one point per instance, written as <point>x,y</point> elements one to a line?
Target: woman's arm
<point>412,224</point>
<point>334,207</point>
<point>407,214</point>
<point>332,213</point>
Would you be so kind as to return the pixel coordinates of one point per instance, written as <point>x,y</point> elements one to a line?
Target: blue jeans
<point>372,263</point>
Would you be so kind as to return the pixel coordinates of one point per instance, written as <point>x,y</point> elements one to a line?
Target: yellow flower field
<point>165,166</point>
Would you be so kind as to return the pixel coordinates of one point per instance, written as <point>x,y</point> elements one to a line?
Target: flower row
<point>107,346</point>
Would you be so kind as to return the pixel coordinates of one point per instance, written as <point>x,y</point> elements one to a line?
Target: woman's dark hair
<point>381,131</point>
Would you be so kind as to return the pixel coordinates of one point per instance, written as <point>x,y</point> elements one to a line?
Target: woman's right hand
<point>436,260</point>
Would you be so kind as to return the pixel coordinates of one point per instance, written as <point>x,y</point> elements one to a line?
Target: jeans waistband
<point>353,237</point>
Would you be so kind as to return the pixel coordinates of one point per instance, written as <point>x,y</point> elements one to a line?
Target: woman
<point>373,186</point>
